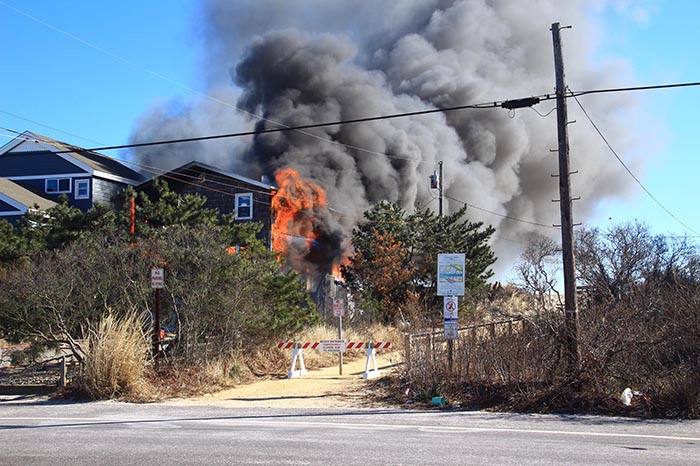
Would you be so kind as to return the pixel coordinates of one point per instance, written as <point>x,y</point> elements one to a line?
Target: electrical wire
<point>509,217</point>
<point>46,126</point>
<point>543,115</point>
<point>619,159</point>
<point>295,128</point>
<point>630,89</point>
<point>483,105</point>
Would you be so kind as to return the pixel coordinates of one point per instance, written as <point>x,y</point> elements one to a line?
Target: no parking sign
<point>451,322</point>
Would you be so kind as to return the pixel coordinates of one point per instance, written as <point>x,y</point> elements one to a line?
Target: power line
<point>507,104</point>
<point>509,217</point>
<point>46,126</point>
<point>630,89</point>
<point>300,127</point>
<point>619,159</point>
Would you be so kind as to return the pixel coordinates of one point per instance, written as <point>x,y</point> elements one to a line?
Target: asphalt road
<point>111,433</point>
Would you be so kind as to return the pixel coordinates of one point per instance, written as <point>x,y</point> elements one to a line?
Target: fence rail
<point>505,351</point>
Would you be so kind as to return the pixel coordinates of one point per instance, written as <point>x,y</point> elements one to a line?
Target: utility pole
<point>440,189</point>
<point>450,342</point>
<point>436,182</point>
<point>567,226</point>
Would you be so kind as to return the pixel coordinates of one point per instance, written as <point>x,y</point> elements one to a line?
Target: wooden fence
<point>502,352</point>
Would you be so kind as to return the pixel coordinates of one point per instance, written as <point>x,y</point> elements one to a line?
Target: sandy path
<point>319,388</point>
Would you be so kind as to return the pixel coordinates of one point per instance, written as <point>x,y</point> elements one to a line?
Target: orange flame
<point>337,265</point>
<point>293,207</point>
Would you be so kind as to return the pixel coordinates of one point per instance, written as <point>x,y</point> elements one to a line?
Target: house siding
<point>40,165</point>
<point>5,207</point>
<point>29,163</point>
<point>221,191</point>
<point>9,213</point>
<point>103,191</point>
<point>38,186</point>
<point>12,219</point>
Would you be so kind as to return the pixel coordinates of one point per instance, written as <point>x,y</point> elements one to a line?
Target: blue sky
<point>661,46</point>
<point>150,53</point>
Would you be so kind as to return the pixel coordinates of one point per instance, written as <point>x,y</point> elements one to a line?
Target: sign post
<point>157,282</point>
<point>339,312</point>
<point>450,285</point>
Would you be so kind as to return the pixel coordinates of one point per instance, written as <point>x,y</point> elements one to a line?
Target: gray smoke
<point>297,63</point>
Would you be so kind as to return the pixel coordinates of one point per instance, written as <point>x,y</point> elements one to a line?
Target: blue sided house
<point>49,168</point>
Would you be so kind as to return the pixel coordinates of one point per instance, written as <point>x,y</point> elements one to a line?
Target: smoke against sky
<point>297,63</point>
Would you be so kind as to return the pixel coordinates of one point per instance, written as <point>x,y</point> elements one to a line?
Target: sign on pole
<point>338,307</point>
<point>450,275</point>
<point>157,278</point>
<point>451,330</point>
<point>450,304</point>
<point>451,318</point>
<point>332,346</point>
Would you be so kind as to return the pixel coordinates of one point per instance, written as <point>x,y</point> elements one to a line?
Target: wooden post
<point>62,377</point>
<point>156,329</point>
<point>567,226</point>
<point>408,352</point>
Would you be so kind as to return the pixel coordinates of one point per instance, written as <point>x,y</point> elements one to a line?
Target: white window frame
<point>248,196</point>
<point>87,189</point>
<point>58,185</point>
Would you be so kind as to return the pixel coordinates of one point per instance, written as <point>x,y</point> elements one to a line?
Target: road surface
<point>113,433</point>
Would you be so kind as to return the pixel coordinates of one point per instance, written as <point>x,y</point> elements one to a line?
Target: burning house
<point>322,61</point>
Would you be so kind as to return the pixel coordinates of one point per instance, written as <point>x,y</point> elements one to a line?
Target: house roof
<point>11,191</point>
<point>195,163</point>
<point>30,143</point>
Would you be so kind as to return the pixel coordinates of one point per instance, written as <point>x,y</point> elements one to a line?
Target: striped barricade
<point>298,356</point>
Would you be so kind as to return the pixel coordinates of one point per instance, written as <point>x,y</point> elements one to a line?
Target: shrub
<point>115,359</point>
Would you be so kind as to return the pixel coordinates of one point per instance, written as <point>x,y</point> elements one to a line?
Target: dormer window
<point>244,206</point>
<point>57,185</point>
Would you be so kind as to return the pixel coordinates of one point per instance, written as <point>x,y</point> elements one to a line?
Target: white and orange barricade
<point>298,356</point>
<point>372,348</point>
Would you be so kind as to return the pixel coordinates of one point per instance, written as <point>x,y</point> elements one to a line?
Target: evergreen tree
<point>395,258</point>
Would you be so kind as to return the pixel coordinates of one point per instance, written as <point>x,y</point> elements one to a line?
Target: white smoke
<point>316,61</point>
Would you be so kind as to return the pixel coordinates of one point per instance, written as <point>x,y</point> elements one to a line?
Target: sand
<point>319,388</point>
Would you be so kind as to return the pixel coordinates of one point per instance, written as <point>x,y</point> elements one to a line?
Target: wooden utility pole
<point>567,226</point>
<point>450,342</point>
<point>440,189</point>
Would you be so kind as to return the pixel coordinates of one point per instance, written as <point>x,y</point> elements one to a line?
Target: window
<point>244,206</point>
<point>57,185</point>
<point>82,189</point>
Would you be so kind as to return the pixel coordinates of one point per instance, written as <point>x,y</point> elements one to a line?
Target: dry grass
<point>115,360</point>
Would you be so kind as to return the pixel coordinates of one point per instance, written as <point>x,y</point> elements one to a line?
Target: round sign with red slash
<point>450,307</point>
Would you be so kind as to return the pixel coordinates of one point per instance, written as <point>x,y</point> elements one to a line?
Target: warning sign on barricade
<point>332,346</point>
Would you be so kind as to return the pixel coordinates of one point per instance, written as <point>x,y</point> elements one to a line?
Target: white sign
<point>450,275</point>
<point>332,346</point>
<point>338,307</point>
<point>157,278</point>
<point>451,330</point>
<point>450,307</point>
